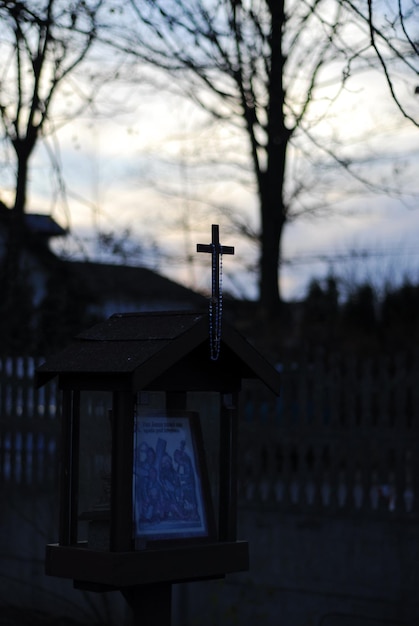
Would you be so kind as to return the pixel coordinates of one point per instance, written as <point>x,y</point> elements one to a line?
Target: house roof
<point>138,283</point>
<point>43,225</point>
<point>38,224</point>
<point>106,288</point>
<point>35,239</point>
<point>157,351</point>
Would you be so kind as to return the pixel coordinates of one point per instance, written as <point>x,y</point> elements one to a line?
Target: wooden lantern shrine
<point>156,518</point>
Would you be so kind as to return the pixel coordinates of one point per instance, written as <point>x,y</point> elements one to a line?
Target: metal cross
<point>216,302</point>
<point>216,249</point>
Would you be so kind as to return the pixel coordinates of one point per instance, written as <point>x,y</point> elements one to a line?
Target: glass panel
<point>171,493</point>
<point>207,404</point>
<point>95,468</point>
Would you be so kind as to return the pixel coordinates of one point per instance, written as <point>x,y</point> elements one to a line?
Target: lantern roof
<point>159,350</point>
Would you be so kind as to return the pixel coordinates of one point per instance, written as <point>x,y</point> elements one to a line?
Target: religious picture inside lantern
<point>170,486</point>
<point>94,491</point>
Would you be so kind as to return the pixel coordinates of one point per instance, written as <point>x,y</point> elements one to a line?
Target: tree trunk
<point>14,287</point>
<point>16,233</point>
<point>270,260</point>
<point>273,207</point>
<point>23,148</point>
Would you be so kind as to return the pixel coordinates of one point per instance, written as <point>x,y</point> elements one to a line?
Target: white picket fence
<point>343,436</point>
<point>29,427</point>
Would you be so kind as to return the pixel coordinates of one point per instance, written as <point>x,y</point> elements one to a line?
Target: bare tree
<point>44,45</point>
<point>393,43</point>
<point>262,65</point>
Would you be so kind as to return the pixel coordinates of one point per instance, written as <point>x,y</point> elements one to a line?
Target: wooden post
<point>151,605</point>
<point>69,468</point>
<point>227,529</point>
<point>122,465</point>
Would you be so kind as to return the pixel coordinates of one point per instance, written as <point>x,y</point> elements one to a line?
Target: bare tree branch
<point>261,66</point>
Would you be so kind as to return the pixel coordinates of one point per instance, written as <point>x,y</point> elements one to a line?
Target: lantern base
<point>125,569</point>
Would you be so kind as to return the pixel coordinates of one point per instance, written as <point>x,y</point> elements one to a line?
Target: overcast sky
<point>111,168</point>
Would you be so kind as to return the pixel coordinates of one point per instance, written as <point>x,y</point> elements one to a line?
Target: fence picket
<point>344,438</point>
<point>27,440</point>
<point>352,448</point>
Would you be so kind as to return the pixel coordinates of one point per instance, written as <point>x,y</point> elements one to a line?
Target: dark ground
<point>12,616</point>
